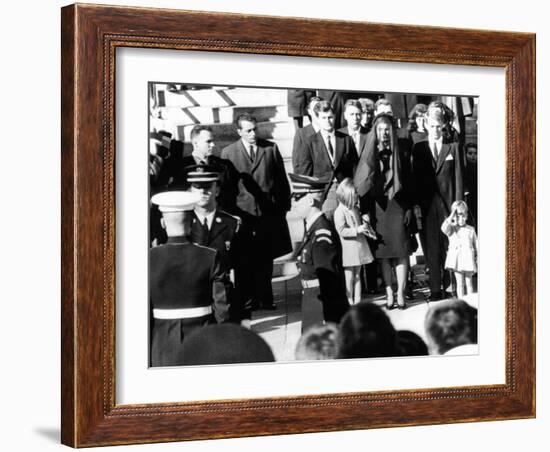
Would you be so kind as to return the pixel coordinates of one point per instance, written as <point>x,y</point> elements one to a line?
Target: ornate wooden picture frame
<point>90,38</point>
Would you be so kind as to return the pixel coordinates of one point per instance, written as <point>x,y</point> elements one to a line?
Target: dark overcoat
<point>263,193</point>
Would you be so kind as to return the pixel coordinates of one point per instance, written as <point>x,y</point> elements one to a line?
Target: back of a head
<point>225,344</point>
<point>366,332</point>
<point>449,324</point>
<point>318,342</point>
<point>411,344</point>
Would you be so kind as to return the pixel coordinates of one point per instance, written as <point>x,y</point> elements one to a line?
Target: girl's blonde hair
<point>460,205</point>
<point>346,193</point>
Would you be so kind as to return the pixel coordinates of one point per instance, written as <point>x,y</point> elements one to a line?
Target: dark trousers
<point>262,272</point>
<point>435,245</point>
<point>260,266</point>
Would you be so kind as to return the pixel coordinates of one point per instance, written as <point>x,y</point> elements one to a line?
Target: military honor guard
<point>319,255</point>
<point>214,228</point>
<point>187,284</point>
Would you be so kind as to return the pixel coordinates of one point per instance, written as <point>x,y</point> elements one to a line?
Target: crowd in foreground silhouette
<point>365,331</point>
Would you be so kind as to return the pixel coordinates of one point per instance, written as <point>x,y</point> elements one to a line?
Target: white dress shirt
<point>354,134</point>
<point>247,146</point>
<point>436,144</point>
<point>209,218</point>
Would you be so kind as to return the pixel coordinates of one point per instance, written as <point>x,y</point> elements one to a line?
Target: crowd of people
<point>364,187</point>
<point>365,331</point>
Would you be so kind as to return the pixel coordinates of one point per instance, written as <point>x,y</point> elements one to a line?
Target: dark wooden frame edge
<point>90,35</point>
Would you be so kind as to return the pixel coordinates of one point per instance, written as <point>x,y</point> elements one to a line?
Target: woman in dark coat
<point>382,180</point>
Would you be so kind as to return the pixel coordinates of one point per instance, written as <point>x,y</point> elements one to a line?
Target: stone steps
<point>184,116</point>
<point>220,97</point>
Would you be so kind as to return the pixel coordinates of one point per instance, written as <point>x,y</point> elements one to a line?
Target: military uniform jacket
<point>320,257</point>
<point>222,236</point>
<point>185,275</point>
<point>230,239</point>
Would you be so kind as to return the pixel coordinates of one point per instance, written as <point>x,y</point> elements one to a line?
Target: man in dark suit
<point>263,200</point>
<point>216,229</point>
<point>304,133</point>
<point>187,287</point>
<point>329,154</point>
<point>202,140</point>
<point>353,113</point>
<point>437,173</point>
<point>319,256</point>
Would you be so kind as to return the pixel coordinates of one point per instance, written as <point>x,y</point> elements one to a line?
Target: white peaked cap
<point>175,201</point>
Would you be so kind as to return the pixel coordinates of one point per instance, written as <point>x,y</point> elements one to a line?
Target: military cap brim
<point>175,201</point>
<point>307,184</point>
<point>202,173</point>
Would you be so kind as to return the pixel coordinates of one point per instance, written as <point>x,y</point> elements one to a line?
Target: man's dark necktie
<point>205,231</point>
<point>252,154</point>
<point>330,149</point>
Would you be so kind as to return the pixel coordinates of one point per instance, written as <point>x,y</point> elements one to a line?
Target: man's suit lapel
<point>339,151</point>
<point>323,149</point>
<point>260,153</point>
<point>244,157</point>
<point>445,149</point>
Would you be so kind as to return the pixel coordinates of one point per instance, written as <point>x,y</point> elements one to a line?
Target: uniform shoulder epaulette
<point>235,217</point>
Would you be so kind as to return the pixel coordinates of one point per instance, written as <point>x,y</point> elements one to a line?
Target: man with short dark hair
<point>202,140</point>
<point>353,113</point>
<point>262,202</point>
<point>329,154</point>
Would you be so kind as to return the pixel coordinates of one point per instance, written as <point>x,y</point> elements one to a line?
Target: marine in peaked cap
<point>319,255</point>
<point>187,286</point>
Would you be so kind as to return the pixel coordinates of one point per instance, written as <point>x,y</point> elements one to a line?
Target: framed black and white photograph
<point>315,234</point>
<point>314,201</point>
